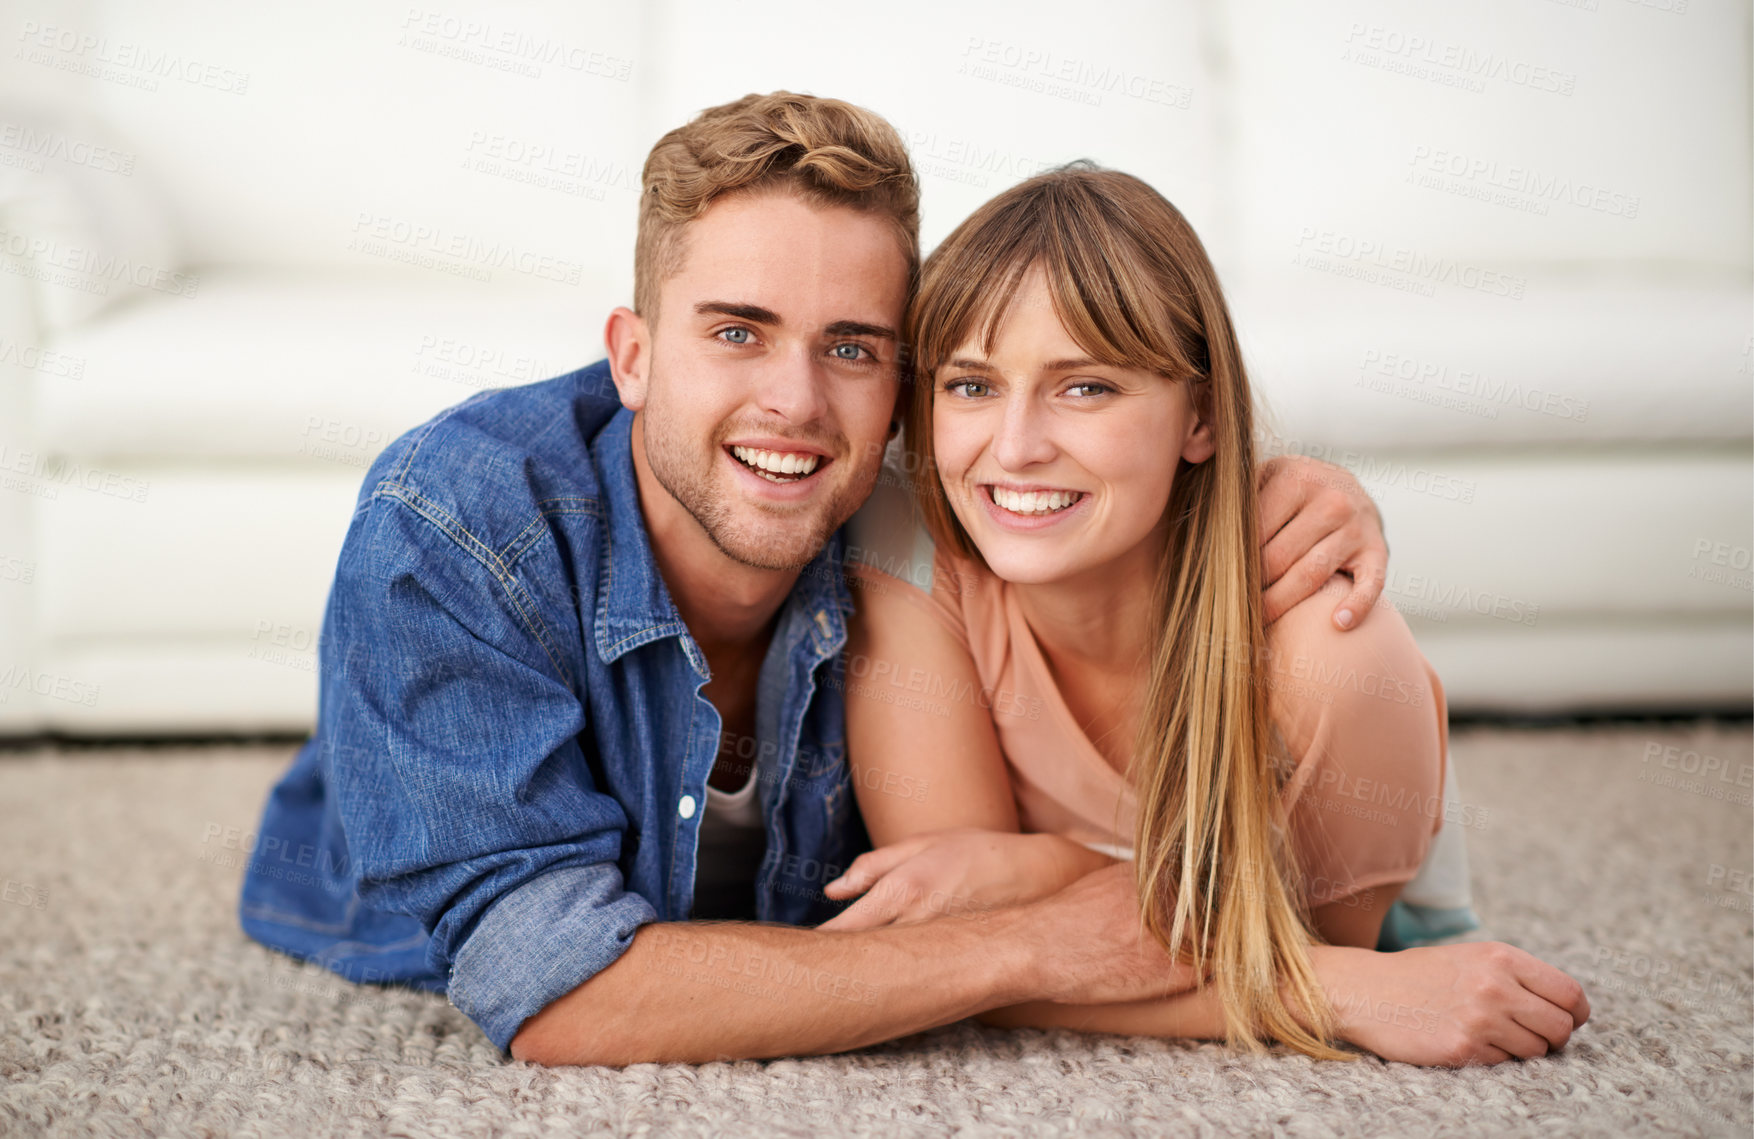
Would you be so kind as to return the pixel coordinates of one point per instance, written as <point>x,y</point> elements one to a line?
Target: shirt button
<point>686,807</point>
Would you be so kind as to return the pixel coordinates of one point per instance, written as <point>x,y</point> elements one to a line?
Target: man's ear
<point>629,340</point>
<point>1199,445</point>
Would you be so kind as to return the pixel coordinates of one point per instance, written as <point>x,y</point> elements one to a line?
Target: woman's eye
<point>972,389</point>
<point>735,335</point>
<point>1090,387</point>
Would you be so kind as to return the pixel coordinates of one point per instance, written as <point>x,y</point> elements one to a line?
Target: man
<point>562,620</point>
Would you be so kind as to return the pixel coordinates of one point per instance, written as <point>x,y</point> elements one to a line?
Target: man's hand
<point>964,870</point>
<point>1315,520</point>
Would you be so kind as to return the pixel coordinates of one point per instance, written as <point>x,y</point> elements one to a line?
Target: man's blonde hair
<point>828,152</point>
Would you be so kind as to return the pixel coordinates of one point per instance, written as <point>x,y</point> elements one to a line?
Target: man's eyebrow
<point>755,314</point>
<point>858,328</point>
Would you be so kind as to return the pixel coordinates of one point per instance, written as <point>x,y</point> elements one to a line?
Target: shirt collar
<point>634,605</point>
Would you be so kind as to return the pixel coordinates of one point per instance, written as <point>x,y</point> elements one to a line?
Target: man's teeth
<point>769,464</point>
<point>1034,501</point>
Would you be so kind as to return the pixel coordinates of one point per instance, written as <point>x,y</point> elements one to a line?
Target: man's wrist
<point>1016,957</point>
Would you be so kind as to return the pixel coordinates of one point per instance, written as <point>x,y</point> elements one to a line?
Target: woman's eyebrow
<point>1070,364</point>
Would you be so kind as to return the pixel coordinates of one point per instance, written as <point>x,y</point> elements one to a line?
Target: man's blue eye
<point>736,335</point>
<point>848,351</point>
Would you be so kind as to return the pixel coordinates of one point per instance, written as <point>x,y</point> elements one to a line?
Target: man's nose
<point>1024,434</point>
<point>792,386</point>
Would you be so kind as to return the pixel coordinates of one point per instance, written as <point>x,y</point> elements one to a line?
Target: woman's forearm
<point>1196,1015</point>
<point>1193,1014</point>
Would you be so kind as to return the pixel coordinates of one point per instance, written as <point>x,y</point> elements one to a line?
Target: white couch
<point>1494,257</point>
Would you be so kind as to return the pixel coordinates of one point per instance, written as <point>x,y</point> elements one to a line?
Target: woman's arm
<point>930,779</point>
<point>1441,1006</point>
<point>915,721</point>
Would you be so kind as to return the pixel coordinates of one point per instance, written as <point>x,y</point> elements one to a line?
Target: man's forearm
<point>698,991</point>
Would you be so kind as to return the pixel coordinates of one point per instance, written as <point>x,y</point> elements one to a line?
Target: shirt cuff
<point>542,941</point>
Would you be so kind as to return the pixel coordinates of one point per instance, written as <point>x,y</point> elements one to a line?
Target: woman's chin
<point>1031,567</point>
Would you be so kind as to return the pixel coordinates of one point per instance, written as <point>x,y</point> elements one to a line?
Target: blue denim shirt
<point>512,750</point>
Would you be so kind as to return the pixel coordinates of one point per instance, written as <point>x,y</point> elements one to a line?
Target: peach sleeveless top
<point>1359,716</point>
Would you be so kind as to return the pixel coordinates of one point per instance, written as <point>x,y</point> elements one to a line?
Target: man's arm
<point>1315,519</point>
<point>698,991</point>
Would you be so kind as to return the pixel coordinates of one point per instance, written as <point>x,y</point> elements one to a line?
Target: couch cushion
<point>313,369</point>
<point>1345,363</point>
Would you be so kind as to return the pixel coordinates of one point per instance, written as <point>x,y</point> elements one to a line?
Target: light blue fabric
<point>511,751</point>
<point>1406,925</point>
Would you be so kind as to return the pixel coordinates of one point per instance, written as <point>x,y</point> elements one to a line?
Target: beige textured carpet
<point>131,1004</point>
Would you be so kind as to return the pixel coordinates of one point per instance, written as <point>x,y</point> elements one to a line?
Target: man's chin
<point>756,554</point>
<point>761,540</point>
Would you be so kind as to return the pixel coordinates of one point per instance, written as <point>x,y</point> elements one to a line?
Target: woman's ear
<point>628,338</point>
<point>1198,445</point>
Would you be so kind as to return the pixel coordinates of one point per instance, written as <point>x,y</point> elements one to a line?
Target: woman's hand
<point>963,871</point>
<point>1451,1005</point>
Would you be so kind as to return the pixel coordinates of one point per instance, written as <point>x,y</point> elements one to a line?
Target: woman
<point>1079,600</point>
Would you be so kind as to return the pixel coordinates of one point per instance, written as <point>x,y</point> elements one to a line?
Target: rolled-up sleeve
<point>453,723</point>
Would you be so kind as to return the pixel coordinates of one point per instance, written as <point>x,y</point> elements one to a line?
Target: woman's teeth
<point>1034,501</point>
<point>772,465</point>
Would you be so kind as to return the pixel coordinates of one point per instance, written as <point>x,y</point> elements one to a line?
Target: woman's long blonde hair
<point>1133,286</point>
